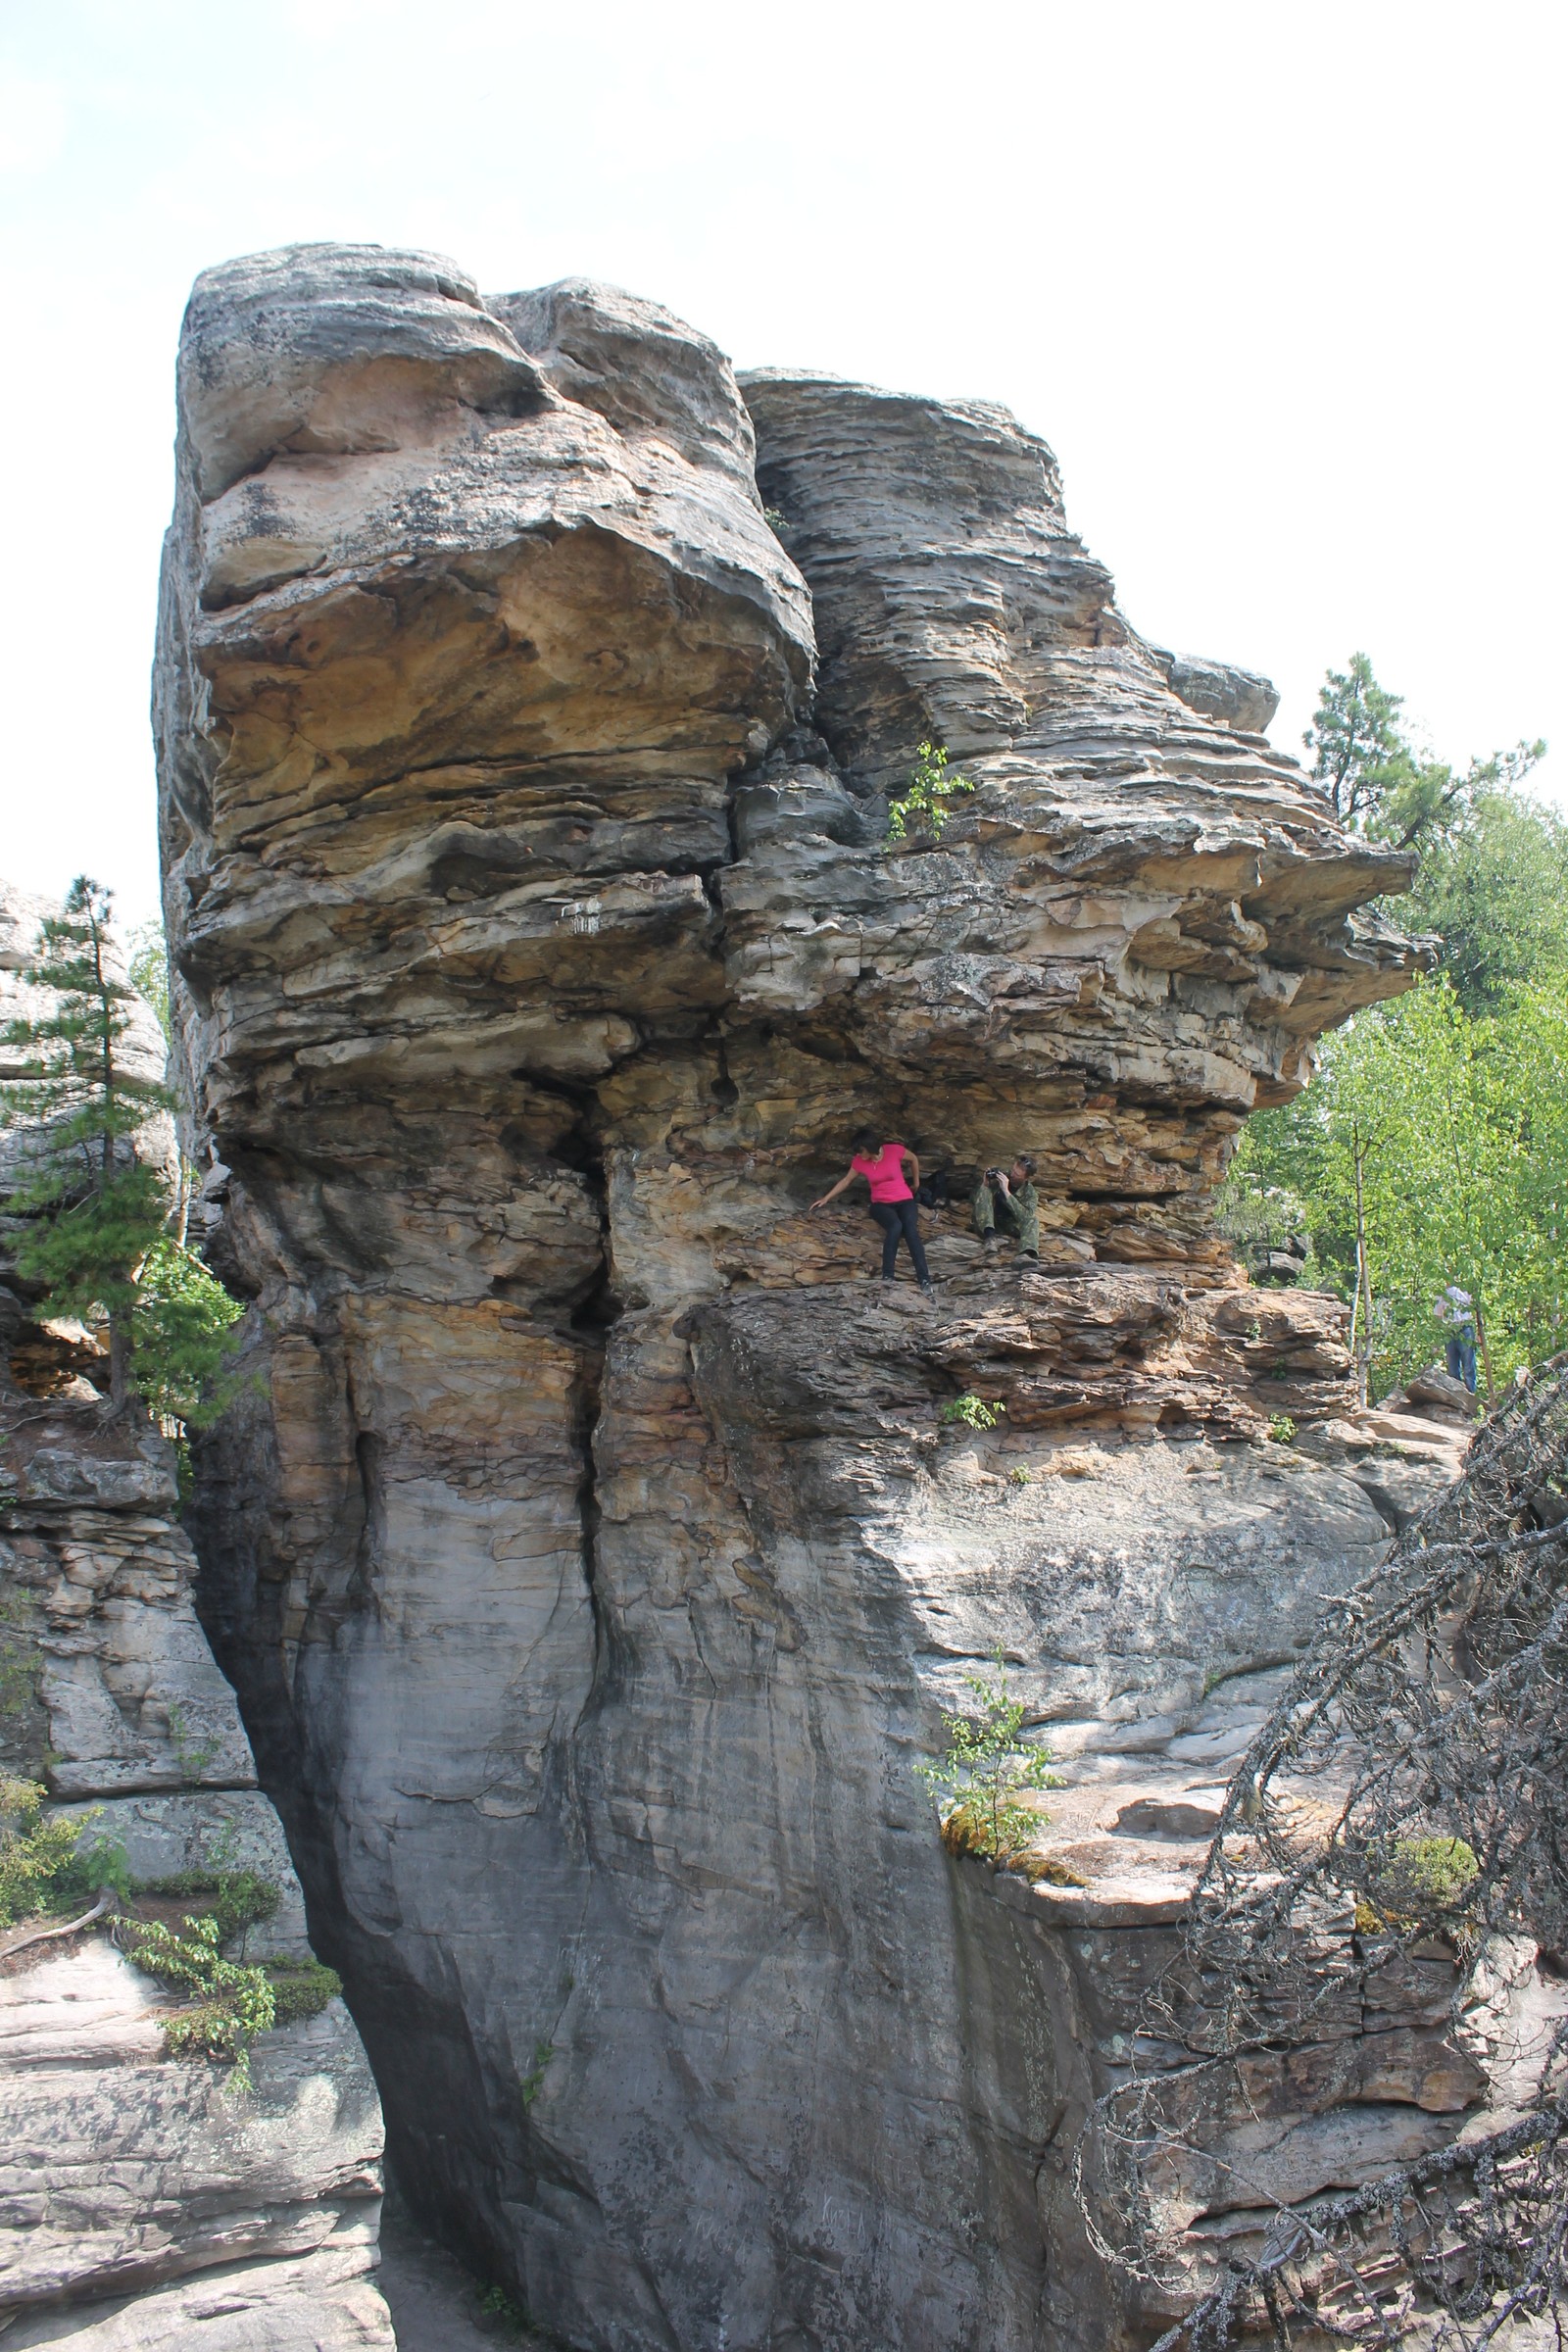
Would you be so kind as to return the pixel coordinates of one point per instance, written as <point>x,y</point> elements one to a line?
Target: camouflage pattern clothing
<point>1017,1211</point>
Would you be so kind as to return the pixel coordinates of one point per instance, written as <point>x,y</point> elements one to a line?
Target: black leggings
<point>895,1217</point>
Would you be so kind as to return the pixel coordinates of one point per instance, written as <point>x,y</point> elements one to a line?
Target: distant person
<point>1005,1198</point>
<point>893,1172</point>
<point>1455,1310</point>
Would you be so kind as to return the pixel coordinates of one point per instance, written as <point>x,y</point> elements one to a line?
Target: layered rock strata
<point>587,1551</point>
<point>143,2200</point>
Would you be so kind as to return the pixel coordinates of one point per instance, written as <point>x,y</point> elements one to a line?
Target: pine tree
<point>1377,783</point>
<point>1359,753</point>
<point>91,1212</point>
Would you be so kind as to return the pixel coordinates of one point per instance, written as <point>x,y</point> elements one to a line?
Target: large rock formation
<point>588,1553</point>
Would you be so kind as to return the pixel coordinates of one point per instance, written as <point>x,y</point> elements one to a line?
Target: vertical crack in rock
<point>541,950</point>
<point>593,1319</point>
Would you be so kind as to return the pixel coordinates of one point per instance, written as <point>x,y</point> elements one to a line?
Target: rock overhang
<point>587,1545</point>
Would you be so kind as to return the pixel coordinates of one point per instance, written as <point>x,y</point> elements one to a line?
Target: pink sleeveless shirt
<point>885,1174</point>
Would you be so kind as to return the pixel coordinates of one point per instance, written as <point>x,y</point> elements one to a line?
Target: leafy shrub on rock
<point>234,2002</point>
<point>987,1770</point>
<point>46,1866</point>
<point>301,1988</point>
<point>930,786</point>
<point>241,1898</point>
<point>968,1412</point>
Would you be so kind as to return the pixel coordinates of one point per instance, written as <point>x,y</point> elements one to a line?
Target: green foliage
<point>1494,886</point>
<point>191,1755</point>
<point>1018,1475</point>
<point>98,1863</point>
<point>301,1988</point>
<point>92,1219</point>
<point>1258,1217</point>
<point>1451,1099</point>
<point>1417,1880</point>
<point>497,2304</point>
<point>1359,754</point>
<point>969,1412</point>
<point>241,1898</point>
<point>533,2081</point>
<point>44,1865</point>
<point>19,1653</point>
<point>233,2001</point>
<point>148,963</point>
<point>1377,783</point>
<point>1463,1127</point>
<point>1282,1429</point>
<point>90,1212</point>
<point>987,1769</point>
<point>92,1233</point>
<point>183,1330</point>
<point>930,787</point>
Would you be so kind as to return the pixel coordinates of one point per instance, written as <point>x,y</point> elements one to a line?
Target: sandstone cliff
<point>143,2201</point>
<point>589,1554</point>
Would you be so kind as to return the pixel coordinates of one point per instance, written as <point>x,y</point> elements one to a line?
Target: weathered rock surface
<point>142,2202</point>
<point>590,1551</point>
<point>1239,698</point>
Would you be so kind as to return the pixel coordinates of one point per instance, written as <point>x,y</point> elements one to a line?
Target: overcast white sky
<point>1282,285</point>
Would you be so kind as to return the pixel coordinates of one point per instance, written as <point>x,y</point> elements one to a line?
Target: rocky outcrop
<point>145,2200</point>
<point>590,1549</point>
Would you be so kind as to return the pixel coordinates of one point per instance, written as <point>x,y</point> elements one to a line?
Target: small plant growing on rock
<point>236,1999</point>
<point>301,1987</point>
<point>969,1412</point>
<point>988,1768</point>
<point>930,785</point>
<point>191,1754</point>
<point>1416,1880</point>
<point>18,1655</point>
<point>1018,1475</point>
<point>533,2081</point>
<point>241,1898</point>
<point>233,2002</point>
<point>496,2304</point>
<point>1282,1429</point>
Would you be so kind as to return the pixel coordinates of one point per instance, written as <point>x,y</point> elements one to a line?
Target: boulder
<point>1238,697</point>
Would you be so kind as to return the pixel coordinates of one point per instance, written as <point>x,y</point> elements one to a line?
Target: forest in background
<point>1432,1148</point>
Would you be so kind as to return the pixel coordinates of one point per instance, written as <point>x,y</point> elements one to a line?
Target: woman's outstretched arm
<point>842,1185</point>
<point>911,1160</point>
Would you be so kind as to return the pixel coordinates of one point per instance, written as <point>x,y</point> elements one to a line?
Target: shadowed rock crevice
<point>546,947</point>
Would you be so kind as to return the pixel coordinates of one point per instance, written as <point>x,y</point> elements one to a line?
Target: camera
<point>992,1174</point>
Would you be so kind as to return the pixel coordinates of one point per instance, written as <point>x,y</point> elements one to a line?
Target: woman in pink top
<point>883,1164</point>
